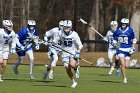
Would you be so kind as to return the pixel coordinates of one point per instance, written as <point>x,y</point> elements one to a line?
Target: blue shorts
<point>21,52</point>
<point>124,54</point>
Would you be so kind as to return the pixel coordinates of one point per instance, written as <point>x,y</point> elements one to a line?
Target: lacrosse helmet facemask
<point>114,25</point>
<point>67,26</point>
<point>31,25</point>
<point>7,25</point>
<point>124,23</point>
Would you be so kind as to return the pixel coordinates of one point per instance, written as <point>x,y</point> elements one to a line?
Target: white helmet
<point>31,22</point>
<point>7,24</point>
<point>125,20</point>
<point>114,25</point>
<point>61,23</point>
<point>67,25</point>
<point>124,23</point>
<point>31,25</point>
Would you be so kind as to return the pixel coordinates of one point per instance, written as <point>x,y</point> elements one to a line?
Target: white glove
<point>77,54</point>
<point>22,48</point>
<point>132,50</point>
<point>37,47</point>
<point>13,50</point>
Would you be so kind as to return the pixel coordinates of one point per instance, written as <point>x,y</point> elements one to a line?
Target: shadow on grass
<point>27,80</point>
<point>107,81</point>
<point>51,85</point>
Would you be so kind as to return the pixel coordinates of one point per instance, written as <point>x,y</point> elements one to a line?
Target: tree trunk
<point>11,9</point>
<point>23,14</point>
<point>1,9</point>
<point>28,10</point>
<point>135,24</point>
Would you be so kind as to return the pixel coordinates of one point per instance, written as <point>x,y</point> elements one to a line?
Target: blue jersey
<point>25,37</point>
<point>124,38</point>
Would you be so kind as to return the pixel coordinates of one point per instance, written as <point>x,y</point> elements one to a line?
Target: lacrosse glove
<point>132,50</point>
<point>13,50</point>
<point>77,54</point>
<point>37,47</point>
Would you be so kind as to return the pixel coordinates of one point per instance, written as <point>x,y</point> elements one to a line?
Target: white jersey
<point>70,42</point>
<point>6,39</point>
<point>109,38</point>
<point>53,34</point>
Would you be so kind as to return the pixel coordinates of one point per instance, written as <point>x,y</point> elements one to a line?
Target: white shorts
<point>111,53</point>
<point>4,54</point>
<point>66,59</point>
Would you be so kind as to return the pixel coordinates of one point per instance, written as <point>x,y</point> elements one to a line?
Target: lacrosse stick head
<point>83,21</point>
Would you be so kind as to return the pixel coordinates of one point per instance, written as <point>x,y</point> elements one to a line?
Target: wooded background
<point>48,13</point>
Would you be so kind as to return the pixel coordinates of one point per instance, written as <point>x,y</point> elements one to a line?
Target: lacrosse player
<point>71,43</point>
<point>26,36</point>
<point>53,51</point>
<point>112,49</point>
<point>7,36</point>
<point>125,37</point>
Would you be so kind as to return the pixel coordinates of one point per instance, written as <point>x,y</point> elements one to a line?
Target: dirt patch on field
<point>42,58</point>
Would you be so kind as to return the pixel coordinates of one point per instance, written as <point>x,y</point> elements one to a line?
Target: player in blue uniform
<point>26,36</point>
<point>124,36</point>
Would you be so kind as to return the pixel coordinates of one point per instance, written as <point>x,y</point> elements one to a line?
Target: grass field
<point>92,80</point>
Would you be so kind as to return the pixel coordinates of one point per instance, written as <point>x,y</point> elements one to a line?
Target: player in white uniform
<point>7,36</point>
<point>71,43</point>
<point>52,51</point>
<point>112,49</point>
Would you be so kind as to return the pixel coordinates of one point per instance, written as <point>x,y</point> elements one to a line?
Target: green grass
<point>92,80</point>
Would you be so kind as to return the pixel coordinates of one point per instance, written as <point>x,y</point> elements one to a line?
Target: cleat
<point>15,69</point>
<point>118,73</point>
<point>74,85</point>
<point>51,75</point>
<point>125,80</point>
<point>1,80</point>
<point>31,77</point>
<point>77,73</point>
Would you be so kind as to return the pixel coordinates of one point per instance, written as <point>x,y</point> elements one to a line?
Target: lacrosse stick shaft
<point>86,61</point>
<point>84,22</point>
<point>96,31</point>
<point>73,55</point>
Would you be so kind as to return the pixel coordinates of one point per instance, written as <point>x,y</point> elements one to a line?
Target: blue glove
<point>77,54</point>
<point>132,50</point>
<point>37,47</point>
<point>13,50</point>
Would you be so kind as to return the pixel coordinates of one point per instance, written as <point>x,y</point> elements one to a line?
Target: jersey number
<point>6,41</point>
<point>68,43</point>
<point>123,40</point>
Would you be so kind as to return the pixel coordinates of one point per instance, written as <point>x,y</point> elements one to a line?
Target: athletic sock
<point>73,81</point>
<point>75,69</point>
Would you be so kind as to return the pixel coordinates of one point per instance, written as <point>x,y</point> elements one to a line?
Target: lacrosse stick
<point>53,44</point>
<point>84,22</point>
